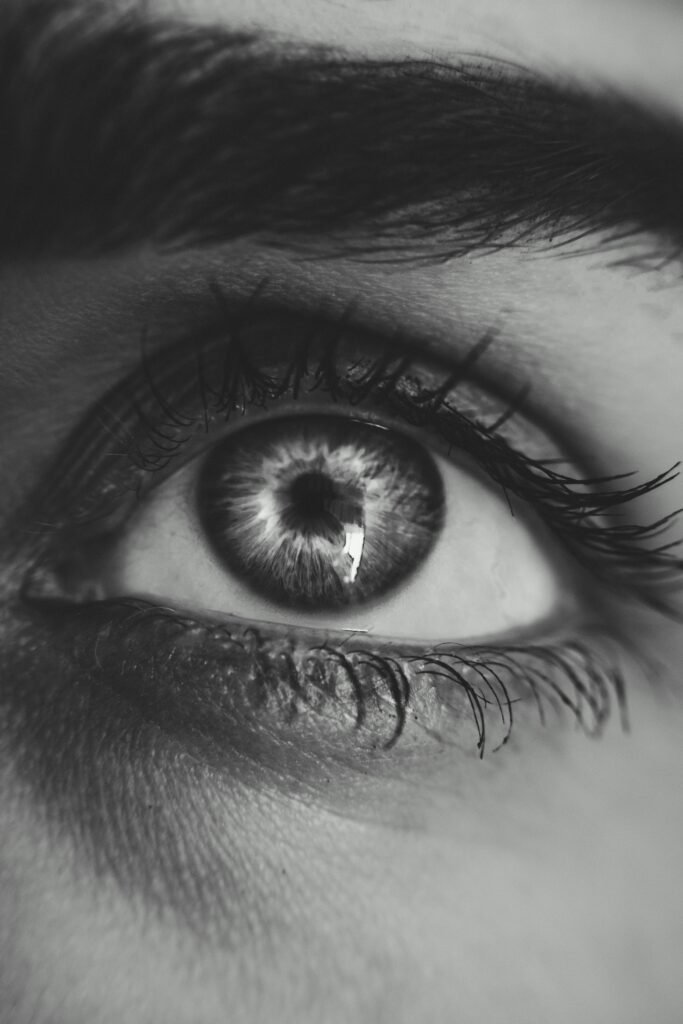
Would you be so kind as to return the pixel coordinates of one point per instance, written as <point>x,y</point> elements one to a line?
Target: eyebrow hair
<point>124,129</point>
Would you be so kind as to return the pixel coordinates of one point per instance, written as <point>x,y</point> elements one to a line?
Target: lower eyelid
<point>289,707</point>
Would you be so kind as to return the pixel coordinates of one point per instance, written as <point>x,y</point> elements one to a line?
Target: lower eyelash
<point>373,693</point>
<point>341,689</point>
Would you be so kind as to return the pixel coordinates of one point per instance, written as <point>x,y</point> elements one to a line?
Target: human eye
<point>295,521</point>
<point>340,598</point>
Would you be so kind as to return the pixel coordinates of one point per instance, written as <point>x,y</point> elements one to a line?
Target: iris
<point>319,511</point>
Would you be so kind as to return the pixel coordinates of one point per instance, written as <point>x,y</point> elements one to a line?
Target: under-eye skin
<point>266,384</point>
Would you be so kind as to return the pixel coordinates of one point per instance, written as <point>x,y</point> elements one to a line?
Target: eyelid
<point>147,409</point>
<point>418,388</point>
<point>173,666</point>
<point>140,423</point>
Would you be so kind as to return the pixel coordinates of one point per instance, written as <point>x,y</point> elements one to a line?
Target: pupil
<point>317,505</point>
<point>311,494</point>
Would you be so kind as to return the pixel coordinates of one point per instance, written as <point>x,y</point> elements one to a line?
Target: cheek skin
<point>531,861</point>
<point>535,848</point>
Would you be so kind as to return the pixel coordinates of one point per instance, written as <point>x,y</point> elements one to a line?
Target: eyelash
<point>282,675</point>
<point>160,430</point>
<point>572,507</point>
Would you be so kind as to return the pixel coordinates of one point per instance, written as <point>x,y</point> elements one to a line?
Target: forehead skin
<point>533,933</point>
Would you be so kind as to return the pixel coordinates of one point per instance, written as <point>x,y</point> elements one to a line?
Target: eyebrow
<point>124,129</point>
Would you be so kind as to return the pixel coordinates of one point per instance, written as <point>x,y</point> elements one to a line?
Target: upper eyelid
<point>572,504</point>
<point>147,386</point>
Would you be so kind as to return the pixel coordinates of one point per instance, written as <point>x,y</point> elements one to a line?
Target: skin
<point>541,884</point>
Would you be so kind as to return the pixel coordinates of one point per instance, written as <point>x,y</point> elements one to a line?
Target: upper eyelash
<point>580,511</point>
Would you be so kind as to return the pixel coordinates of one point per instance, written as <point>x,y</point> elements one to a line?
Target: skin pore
<point>537,884</point>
